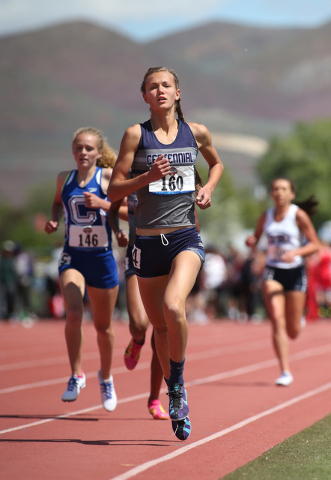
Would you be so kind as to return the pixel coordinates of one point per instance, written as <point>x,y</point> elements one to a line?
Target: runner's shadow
<point>110,443</point>
<point>50,417</point>
<point>79,419</point>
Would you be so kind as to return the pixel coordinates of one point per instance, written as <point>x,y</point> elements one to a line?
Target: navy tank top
<point>168,202</point>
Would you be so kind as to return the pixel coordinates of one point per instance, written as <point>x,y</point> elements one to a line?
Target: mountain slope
<point>233,78</point>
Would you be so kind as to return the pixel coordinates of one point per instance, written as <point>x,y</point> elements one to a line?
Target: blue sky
<point>143,20</point>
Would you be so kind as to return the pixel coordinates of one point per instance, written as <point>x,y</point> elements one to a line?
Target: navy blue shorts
<point>98,267</point>
<point>128,263</point>
<point>292,279</point>
<point>153,255</point>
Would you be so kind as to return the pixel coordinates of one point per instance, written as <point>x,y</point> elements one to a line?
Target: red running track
<point>237,412</point>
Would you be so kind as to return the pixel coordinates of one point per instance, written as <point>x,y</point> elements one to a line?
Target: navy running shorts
<point>98,267</point>
<point>292,279</point>
<point>153,255</point>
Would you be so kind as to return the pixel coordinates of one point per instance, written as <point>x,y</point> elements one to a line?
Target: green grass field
<point>305,456</point>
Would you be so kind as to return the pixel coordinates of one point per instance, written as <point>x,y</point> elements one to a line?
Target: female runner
<point>87,257</point>
<point>168,252</point>
<point>291,236</point>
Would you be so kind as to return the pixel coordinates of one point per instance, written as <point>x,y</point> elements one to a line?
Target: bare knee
<point>174,311</point>
<point>293,332</point>
<point>160,335</point>
<point>103,329</point>
<point>74,316</point>
<point>138,327</point>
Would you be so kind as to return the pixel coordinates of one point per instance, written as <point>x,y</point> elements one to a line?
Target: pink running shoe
<point>155,408</point>
<point>132,354</point>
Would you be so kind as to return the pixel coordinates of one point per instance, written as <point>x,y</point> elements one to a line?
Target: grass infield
<point>305,456</point>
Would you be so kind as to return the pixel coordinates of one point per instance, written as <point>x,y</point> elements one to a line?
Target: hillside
<point>235,79</point>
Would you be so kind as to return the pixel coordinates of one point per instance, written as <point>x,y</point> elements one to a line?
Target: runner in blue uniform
<point>168,252</point>
<point>87,259</point>
<point>284,278</point>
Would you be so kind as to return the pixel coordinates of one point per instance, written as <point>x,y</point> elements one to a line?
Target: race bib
<point>180,180</point>
<point>88,236</point>
<point>136,257</point>
<point>275,253</point>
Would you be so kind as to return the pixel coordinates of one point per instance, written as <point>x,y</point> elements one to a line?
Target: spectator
<point>213,277</point>
<point>8,279</point>
<point>23,263</point>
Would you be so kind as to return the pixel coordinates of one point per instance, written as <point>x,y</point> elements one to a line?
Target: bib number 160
<point>172,183</point>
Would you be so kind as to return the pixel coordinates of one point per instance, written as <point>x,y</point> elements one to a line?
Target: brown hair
<point>178,109</point>
<point>109,156</point>
<point>309,205</point>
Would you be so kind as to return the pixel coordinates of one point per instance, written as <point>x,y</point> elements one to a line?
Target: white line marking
<point>213,378</point>
<point>56,381</point>
<point>95,355</point>
<point>145,466</point>
<point>191,357</point>
<point>78,412</point>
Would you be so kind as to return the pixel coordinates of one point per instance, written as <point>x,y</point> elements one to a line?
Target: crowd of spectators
<point>228,286</point>
<point>16,278</point>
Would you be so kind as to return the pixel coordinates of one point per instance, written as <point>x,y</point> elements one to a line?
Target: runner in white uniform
<point>284,279</point>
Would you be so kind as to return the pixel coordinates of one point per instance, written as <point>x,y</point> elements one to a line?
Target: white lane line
<point>44,362</point>
<point>212,378</point>
<point>95,355</point>
<point>72,414</point>
<point>56,381</point>
<point>118,352</point>
<point>145,466</point>
<point>191,357</point>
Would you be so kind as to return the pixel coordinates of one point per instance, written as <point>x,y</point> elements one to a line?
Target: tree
<point>24,224</point>
<point>305,157</point>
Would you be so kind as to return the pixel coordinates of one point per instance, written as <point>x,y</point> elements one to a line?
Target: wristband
<point>118,231</point>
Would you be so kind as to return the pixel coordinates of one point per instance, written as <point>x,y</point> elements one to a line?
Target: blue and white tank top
<point>85,228</point>
<point>168,202</point>
<point>282,236</point>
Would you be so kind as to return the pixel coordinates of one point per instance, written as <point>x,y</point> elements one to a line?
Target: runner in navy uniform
<point>87,258</point>
<point>138,320</point>
<point>284,278</point>
<point>168,252</point>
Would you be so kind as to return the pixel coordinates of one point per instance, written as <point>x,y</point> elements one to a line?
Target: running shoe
<point>285,379</point>
<point>182,429</point>
<point>157,411</point>
<point>132,354</point>
<point>108,394</point>
<point>178,408</point>
<point>75,385</point>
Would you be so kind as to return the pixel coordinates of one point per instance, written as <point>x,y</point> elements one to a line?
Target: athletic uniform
<point>88,246</point>
<point>284,236</point>
<point>167,202</point>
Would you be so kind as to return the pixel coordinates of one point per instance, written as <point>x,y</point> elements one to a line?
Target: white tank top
<point>282,236</point>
